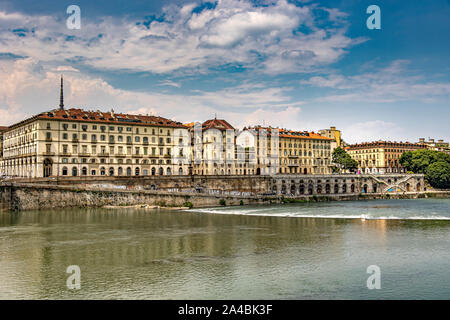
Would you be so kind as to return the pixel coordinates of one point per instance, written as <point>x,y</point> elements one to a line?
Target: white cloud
<point>386,85</point>
<point>372,131</point>
<point>234,32</point>
<point>31,88</point>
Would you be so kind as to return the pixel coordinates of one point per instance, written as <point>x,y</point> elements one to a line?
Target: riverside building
<point>76,142</point>
<point>381,156</point>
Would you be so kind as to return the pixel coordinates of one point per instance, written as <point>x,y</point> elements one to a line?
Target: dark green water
<point>302,251</point>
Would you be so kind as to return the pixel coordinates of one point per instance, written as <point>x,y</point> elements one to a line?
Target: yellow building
<point>381,156</point>
<point>299,152</point>
<point>334,134</point>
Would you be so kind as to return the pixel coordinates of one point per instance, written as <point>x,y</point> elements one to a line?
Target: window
<point>64,171</point>
<point>84,136</point>
<point>94,127</point>
<point>137,139</point>
<point>84,127</point>
<point>102,137</point>
<point>48,135</point>
<point>120,138</point>
<point>64,135</point>
<point>74,126</point>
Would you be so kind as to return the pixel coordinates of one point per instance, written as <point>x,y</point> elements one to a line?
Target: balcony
<point>48,153</point>
<point>103,154</point>
<point>138,155</point>
<point>120,155</point>
<point>84,154</point>
<point>48,139</point>
<point>75,140</point>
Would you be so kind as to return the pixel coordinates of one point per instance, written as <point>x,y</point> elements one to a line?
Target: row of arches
<point>103,171</point>
<point>318,189</point>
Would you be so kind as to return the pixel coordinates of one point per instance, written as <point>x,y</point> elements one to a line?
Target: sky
<point>302,65</point>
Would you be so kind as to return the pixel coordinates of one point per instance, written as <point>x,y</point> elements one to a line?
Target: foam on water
<point>338,211</point>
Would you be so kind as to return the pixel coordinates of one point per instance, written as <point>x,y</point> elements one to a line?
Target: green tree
<point>438,174</point>
<point>343,160</point>
<point>434,164</point>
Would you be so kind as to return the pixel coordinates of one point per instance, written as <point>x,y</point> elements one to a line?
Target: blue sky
<point>303,65</point>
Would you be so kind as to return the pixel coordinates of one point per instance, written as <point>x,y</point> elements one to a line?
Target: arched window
<point>93,172</point>
<point>169,172</point>
<point>84,171</point>
<point>137,171</point>
<point>111,171</point>
<point>161,171</point>
<point>180,171</point>
<point>128,171</point>
<point>74,171</point>
<point>352,188</point>
<point>120,171</point>
<point>102,171</point>
<point>64,171</point>
<point>153,171</point>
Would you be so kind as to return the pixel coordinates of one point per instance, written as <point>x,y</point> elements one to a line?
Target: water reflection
<point>159,255</point>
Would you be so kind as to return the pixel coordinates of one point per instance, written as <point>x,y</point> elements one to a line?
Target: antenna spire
<point>61,96</point>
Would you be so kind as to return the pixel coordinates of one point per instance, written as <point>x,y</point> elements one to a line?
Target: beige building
<point>438,145</point>
<point>77,142</point>
<point>298,151</point>
<point>381,156</point>
<point>217,149</point>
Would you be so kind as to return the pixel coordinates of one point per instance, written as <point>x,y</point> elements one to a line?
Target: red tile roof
<point>284,133</point>
<point>102,117</point>
<point>217,124</point>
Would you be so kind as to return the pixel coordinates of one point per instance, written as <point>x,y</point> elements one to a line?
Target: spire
<point>61,96</point>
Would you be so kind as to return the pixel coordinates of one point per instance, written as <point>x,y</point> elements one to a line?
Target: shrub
<point>222,202</point>
<point>188,204</point>
<point>241,203</point>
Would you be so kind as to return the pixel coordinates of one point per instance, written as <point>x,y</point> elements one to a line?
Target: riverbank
<point>20,197</point>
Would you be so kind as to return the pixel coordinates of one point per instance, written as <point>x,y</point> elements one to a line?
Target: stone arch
<point>301,189</point>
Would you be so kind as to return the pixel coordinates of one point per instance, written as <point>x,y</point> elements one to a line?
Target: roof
<point>285,133</point>
<point>217,124</point>
<point>101,117</point>
<point>381,143</point>
<point>3,128</point>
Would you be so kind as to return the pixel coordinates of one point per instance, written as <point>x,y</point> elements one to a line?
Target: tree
<point>434,164</point>
<point>438,174</point>
<point>343,160</point>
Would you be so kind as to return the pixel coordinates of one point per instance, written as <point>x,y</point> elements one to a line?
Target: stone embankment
<point>16,196</point>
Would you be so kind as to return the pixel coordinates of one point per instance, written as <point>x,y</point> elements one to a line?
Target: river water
<point>295,251</point>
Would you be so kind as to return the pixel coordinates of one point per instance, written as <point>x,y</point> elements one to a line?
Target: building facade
<point>381,156</point>
<point>439,145</point>
<point>91,143</point>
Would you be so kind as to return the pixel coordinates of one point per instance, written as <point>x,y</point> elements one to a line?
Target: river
<point>291,251</point>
